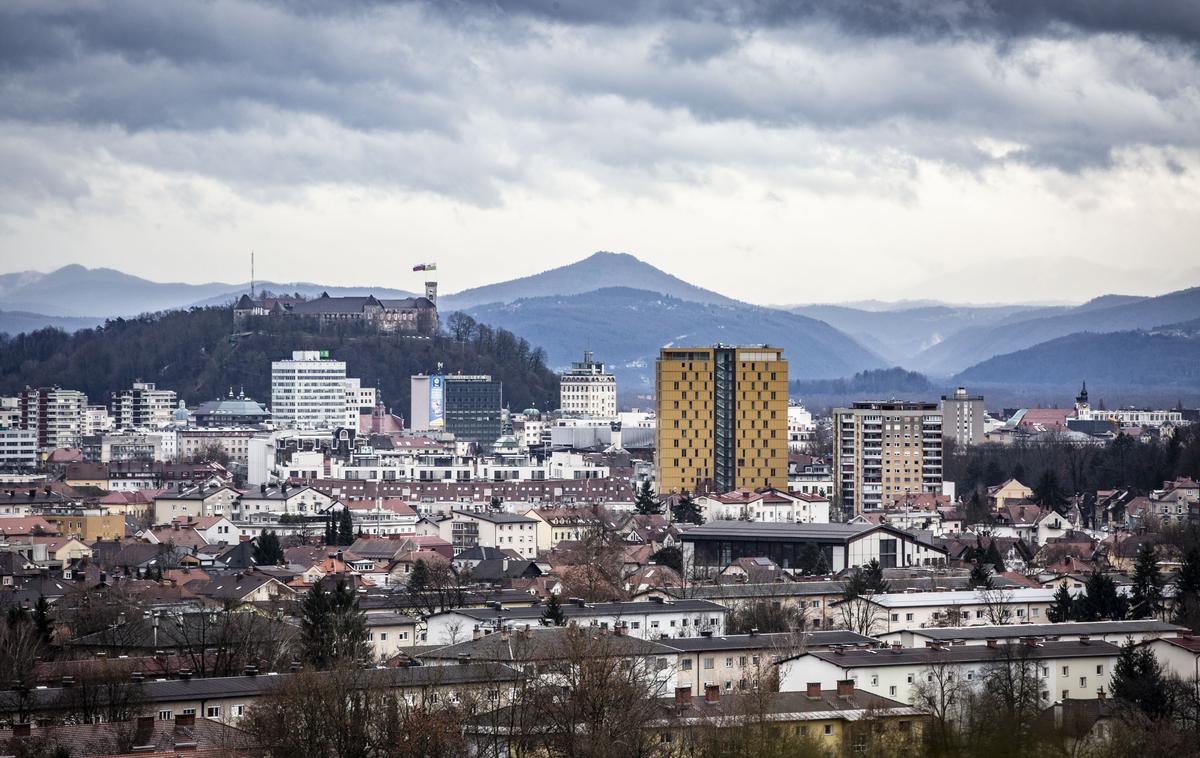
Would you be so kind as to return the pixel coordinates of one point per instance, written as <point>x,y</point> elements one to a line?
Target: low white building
<point>279,500</point>
<point>898,611</point>
<point>649,620</point>
<point>504,531</point>
<point>709,548</point>
<point>1115,632</point>
<point>1179,655</point>
<point>768,506</point>
<point>1079,669</point>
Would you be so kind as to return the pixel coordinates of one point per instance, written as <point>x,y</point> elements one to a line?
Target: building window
<point>828,729</point>
<point>164,715</point>
<point>212,712</point>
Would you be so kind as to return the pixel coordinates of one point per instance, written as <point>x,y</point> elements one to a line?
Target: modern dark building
<point>473,408</point>
<point>467,406</point>
<point>811,548</point>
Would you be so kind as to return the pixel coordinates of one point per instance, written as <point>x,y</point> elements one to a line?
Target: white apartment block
<point>97,420</point>
<point>588,390</point>
<point>883,450</point>
<point>235,441</point>
<point>143,406</point>
<point>359,400</point>
<point>899,611</point>
<point>504,531</point>
<point>10,412</point>
<point>963,418</point>
<point>801,430</point>
<point>55,414</point>
<point>18,449</point>
<point>309,391</point>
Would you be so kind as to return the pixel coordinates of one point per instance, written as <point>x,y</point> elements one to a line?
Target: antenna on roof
<point>251,274</point>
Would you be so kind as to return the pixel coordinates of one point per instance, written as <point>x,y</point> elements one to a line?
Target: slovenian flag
<point>425,267</point>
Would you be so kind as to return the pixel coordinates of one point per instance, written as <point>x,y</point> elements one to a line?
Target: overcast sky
<point>776,152</point>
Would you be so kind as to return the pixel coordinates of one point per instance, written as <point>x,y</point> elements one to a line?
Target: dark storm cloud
<point>925,19</point>
<point>462,98</point>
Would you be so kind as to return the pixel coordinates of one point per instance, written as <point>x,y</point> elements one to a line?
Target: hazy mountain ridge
<point>974,345</point>
<point>1163,356</point>
<point>598,271</point>
<point>626,327</point>
<point>899,335</point>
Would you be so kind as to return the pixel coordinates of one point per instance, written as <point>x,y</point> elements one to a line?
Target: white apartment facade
<point>883,450</point>
<point>588,390</point>
<point>963,418</point>
<point>55,414</point>
<point>309,391</point>
<point>143,406</point>
<point>18,449</point>
<point>504,531</point>
<point>1079,669</point>
<point>801,430</point>
<point>359,399</point>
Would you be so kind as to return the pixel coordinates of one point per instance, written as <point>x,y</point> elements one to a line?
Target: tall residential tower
<point>882,450</point>
<point>722,418</point>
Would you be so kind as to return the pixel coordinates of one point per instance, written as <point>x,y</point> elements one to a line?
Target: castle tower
<point>431,292</point>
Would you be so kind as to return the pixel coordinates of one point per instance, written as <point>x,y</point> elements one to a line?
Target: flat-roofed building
<point>722,418</point>
<point>883,450</point>
<point>810,548</point>
<point>588,390</point>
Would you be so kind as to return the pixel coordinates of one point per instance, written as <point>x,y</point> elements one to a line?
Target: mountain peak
<point>599,270</point>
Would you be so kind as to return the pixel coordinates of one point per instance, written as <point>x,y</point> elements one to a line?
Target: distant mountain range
<point>625,327</point>
<point>598,271</point>
<point>625,310</point>
<point>977,344</point>
<point>1167,356</point>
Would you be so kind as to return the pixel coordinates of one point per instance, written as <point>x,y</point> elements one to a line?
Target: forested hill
<point>201,355</point>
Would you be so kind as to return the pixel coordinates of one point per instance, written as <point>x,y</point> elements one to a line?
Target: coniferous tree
<point>646,503</point>
<point>333,629</point>
<point>42,621</point>
<point>267,549</point>
<point>1063,606</point>
<point>980,576</point>
<point>1187,590</point>
<point>345,528</point>
<point>1049,492</point>
<point>994,557</point>
<point>418,580</point>
<point>1138,679</point>
<point>331,535</point>
<point>553,613</point>
<point>1100,601</point>
<point>686,510</point>
<point>1147,584</point>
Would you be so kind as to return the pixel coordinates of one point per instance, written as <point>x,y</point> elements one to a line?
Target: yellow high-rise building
<point>722,418</point>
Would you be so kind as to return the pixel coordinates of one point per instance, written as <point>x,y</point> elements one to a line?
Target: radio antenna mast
<point>251,274</point>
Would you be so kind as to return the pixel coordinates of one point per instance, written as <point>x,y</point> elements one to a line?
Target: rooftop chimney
<point>991,643</point>
<point>712,693</point>
<point>185,719</point>
<point>813,690</point>
<point>683,696</point>
<point>845,687</point>
<point>1085,639</point>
